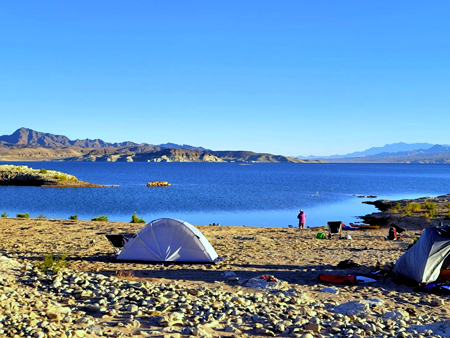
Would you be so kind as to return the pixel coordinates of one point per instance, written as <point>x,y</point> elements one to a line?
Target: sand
<point>289,254</point>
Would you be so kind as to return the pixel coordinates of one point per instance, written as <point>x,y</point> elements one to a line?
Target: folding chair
<point>334,228</point>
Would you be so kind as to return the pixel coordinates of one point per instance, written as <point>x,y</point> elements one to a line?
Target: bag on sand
<point>337,279</point>
<point>320,235</point>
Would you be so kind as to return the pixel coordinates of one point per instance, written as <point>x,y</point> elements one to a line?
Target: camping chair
<point>334,228</point>
<point>118,241</point>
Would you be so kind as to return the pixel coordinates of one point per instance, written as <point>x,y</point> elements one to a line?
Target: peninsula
<point>22,175</point>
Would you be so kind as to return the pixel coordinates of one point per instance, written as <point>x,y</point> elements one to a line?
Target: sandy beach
<point>293,257</point>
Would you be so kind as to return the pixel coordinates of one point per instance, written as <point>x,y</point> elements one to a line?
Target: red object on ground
<point>268,278</point>
<point>444,275</point>
<point>337,279</point>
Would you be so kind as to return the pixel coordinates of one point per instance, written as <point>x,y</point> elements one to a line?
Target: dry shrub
<point>125,273</point>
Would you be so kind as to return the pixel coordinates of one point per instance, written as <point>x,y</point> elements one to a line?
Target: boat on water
<point>365,226</point>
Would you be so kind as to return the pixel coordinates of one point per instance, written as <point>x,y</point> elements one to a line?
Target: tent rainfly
<point>168,240</point>
<point>424,261</point>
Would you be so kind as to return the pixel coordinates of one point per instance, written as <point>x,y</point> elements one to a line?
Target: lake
<point>260,194</point>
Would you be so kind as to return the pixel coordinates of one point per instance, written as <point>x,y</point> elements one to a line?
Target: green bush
<point>4,214</point>
<point>43,171</point>
<point>136,219</point>
<point>101,218</point>
<point>431,208</point>
<point>412,207</point>
<point>74,217</point>
<point>42,216</point>
<point>398,206</point>
<point>53,262</point>
<point>60,177</point>
<point>27,215</point>
<point>408,213</point>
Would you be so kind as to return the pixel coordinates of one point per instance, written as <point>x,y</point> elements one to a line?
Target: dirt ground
<point>289,254</point>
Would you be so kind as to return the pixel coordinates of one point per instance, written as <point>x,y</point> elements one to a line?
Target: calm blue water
<point>225,193</point>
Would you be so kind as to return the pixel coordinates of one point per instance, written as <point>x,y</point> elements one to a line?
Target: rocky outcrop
<point>416,213</point>
<point>24,176</point>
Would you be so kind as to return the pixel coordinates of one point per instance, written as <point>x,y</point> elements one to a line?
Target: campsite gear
<point>363,279</point>
<point>268,278</point>
<point>334,228</point>
<point>118,241</point>
<point>168,240</point>
<point>424,261</point>
<point>365,226</point>
<point>397,228</point>
<point>392,236</point>
<point>330,290</point>
<point>348,227</point>
<point>348,263</point>
<point>320,235</point>
<point>337,279</point>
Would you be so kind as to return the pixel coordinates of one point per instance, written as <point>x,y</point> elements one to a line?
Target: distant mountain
<point>29,145</point>
<point>180,146</point>
<point>29,137</point>
<point>388,148</point>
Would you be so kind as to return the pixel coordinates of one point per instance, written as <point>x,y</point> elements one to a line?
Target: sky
<point>293,77</point>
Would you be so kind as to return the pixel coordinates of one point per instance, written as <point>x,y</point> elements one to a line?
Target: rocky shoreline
<point>96,296</point>
<point>24,176</point>
<point>415,214</point>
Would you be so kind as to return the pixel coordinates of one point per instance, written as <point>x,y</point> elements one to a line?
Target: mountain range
<point>29,145</point>
<point>395,153</point>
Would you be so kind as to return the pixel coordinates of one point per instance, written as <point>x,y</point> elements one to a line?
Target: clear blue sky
<point>285,77</point>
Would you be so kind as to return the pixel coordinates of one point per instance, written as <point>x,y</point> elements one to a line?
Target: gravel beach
<point>94,295</point>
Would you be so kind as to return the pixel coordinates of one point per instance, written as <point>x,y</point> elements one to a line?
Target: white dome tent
<point>168,240</point>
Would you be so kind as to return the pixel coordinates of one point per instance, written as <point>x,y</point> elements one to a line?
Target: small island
<point>24,176</point>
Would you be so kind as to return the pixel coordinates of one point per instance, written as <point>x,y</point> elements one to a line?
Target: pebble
<point>69,304</point>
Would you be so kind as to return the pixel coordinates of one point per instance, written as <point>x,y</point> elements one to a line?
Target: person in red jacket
<point>301,219</point>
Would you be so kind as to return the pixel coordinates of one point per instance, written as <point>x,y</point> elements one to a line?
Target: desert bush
<point>125,273</point>
<point>42,216</point>
<point>431,208</point>
<point>27,215</point>
<point>74,217</point>
<point>398,206</point>
<point>408,213</point>
<point>53,262</point>
<point>412,207</point>
<point>393,210</point>
<point>4,214</point>
<point>101,218</point>
<point>136,219</point>
<point>60,177</point>
<point>43,171</point>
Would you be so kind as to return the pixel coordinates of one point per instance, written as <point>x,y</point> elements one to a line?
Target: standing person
<point>301,219</point>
